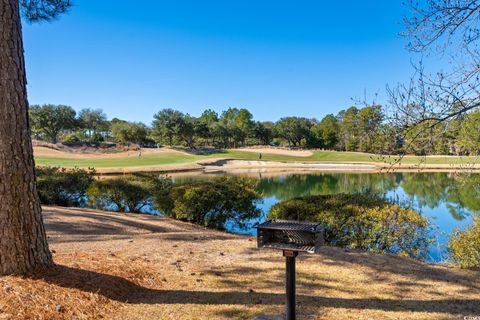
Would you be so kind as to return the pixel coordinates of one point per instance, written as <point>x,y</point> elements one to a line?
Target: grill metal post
<point>290,282</point>
<point>291,237</point>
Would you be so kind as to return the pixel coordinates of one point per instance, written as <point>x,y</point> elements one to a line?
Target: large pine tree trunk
<point>23,243</point>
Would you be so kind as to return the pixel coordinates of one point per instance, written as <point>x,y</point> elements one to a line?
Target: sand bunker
<point>282,151</point>
<point>52,153</point>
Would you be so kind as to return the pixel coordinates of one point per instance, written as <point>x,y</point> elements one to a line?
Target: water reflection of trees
<point>328,183</point>
<point>429,188</point>
<point>459,192</point>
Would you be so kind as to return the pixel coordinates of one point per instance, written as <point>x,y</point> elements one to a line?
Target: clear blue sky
<point>276,58</point>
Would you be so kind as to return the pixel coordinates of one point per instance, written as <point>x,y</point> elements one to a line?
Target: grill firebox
<point>290,235</point>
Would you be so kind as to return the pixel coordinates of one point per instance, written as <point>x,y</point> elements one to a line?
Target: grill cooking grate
<point>293,247</point>
<point>291,225</point>
<point>290,235</point>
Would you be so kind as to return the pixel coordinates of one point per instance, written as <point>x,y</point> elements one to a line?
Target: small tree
<point>129,132</point>
<point>127,194</point>
<point>464,246</point>
<point>186,131</point>
<point>205,126</point>
<point>327,129</point>
<point>349,129</point>
<point>166,126</point>
<point>210,203</point>
<point>293,129</point>
<point>469,135</point>
<point>369,121</point>
<point>263,132</point>
<point>361,221</point>
<point>93,122</point>
<point>64,187</point>
<point>49,120</point>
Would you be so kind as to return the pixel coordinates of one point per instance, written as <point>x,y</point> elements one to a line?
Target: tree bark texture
<point>23,243</point>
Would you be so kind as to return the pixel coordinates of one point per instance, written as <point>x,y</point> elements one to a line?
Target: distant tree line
<point>60,123</point>
<point>363,129</point>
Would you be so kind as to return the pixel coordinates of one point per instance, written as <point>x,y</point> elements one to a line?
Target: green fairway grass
<point>177,158</point>
<point>118,162</point>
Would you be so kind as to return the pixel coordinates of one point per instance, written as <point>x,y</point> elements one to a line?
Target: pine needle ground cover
<point>129,266</point>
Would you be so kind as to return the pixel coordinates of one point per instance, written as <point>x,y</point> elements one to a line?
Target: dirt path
<point>121,266</point>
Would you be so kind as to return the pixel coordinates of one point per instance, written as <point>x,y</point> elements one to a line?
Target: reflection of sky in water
<point>442,221</point>
<point>438,196</point>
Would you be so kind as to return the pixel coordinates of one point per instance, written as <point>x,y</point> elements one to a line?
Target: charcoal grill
<point>291,237</point>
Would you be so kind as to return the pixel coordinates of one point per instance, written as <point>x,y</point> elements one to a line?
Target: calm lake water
<point>448,200</point>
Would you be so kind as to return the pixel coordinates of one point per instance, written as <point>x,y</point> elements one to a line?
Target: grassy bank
<point>166,158</point>
<point>150,160</point>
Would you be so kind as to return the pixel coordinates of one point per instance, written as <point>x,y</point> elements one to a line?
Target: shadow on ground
<point>120,289</point>
<point>385,264</point>
<point>74,225</point>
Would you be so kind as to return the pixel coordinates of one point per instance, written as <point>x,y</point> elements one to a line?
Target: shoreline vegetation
<point>245,160</point>
<point>128,266</point>
<point>356,219</point>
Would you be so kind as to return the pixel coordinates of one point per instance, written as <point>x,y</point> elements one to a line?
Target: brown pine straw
<point>139,267</point>
<point>79,286</point>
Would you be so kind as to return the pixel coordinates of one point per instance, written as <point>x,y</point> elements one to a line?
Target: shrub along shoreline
<point>208,203</point>
<point>361,221</point>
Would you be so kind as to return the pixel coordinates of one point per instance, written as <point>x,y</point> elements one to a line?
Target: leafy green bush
<point>464,246</point>
<point>97,137</point>
<point>161,187</point>
<point>70,138</point>
<point>126,194</point>
<point>64,187</point>
<point>212,202</point>
<point>361,221</point>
